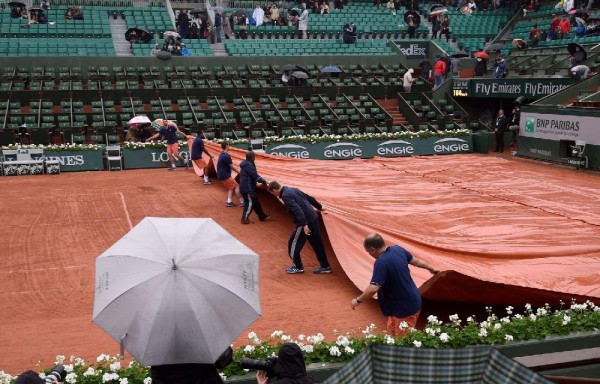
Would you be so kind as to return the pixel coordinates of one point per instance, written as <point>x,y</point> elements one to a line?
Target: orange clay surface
<point>504,231</point>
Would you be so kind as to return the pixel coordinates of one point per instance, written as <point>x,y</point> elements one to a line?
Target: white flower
<point>533,317</point>
<point>334,351</point>
<point>505,320</point>
<point>430,331</point>
<point>59,359</point>
<point>454,318</point>
<point>484,324</point>
<point>301,337</point>
<point>307,348</point>
<point>508,337</point>
<point>274,335</point>
<point>497,326</point>
<point>509,310</point>
<point>286,338</point>
<point>482,332</point>
<point>109,377</point>
<point>389,340</point>
<point>115,366</point>
<point>541,311</point>
<point>403,325</point>
<point>79,361</point>
<point>444,337</point>
<point>249,348</point>
<point>148,380</point>
<point>518,316</point>
<point>470,319</point>
<point>68,368</point>
<point>342,341</point>
<point>349,350</point>
<point>131,364</point>
<point>528,307</point>
<point>71,378</point>
<point>417,343</point>
<point>123,381</point>
<point>566,320</point>
<point>90,372</point>
<point>102,358</point>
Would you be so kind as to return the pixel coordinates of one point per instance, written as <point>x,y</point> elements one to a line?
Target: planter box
<point>74,161</point>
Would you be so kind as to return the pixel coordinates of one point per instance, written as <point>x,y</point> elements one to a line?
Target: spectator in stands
<point>435,26</point>
<point>303,22</point>
<point>391,7</point>
<point>290,367</point>
<point>183,22</point>
<point>412,26</point>
<point>580,72</point>
<point>338,4</point>
<point>577,57</point>
<point>45,5</point>
<point>407,80</point>
<point>377,3</point>
<point>514,125</point>
<point>554,28</point>
<point>534,35</point>
<point>258,15</point>
<point>472,5</point>
<point>69,14</point>
<point>565,27</point>
<point>500,68</point>
<point>480,67</point>
<point>324,7</point>
<point>77,13</point>
<point>425,68</point>
<point>275,14</point>
<point>349,34</point>
<point>194,32</point>
<point>42,18</point>
<point>593,29</point>
<point>499,128</point>
<point>134,133</point>
<point>439,71</point>
<point>218,26</point>
<point>15,12</point>
<point>445,28</point>
<point>580,29</point>
<point>226,26</point>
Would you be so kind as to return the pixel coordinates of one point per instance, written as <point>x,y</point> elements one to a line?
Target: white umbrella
<point>139,120</point>
<point>172,34</point>
<point>176,291</point>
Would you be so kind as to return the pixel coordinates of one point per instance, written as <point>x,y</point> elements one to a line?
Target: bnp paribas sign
<point>560,127</point>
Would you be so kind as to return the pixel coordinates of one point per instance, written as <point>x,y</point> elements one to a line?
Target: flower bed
<point>531,324</point>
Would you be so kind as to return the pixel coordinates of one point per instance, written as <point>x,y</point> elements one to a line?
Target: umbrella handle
<point>122,347</point>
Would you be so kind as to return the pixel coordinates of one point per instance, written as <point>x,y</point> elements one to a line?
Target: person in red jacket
<point>439,71</point>
<point>565,27</point>
<point>554,27</point>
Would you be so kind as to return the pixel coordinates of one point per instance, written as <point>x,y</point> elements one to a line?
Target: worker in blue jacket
<point>300,207</point>
<point>248,179</point>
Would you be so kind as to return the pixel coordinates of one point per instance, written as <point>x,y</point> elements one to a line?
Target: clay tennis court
<point>504,230</point>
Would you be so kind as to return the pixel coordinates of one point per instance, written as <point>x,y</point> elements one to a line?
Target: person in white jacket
<point>408,80</point>
<point>303,22</point>
<point>258,15</point>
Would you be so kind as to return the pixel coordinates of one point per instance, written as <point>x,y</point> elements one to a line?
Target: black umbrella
<point>299,75</point>
<point>302,68</point>
<point>36,9</point>
<point>16,4</point>
<point>494,47</point>
<point>414,15</point>
<point>197,11</point>
<point>460,54</point>
<point>164,55</point>
<point>138,35</point>
<point>240,13</point>
<point>572,49</point>
<point>294,12</point>
<point>288,68</point>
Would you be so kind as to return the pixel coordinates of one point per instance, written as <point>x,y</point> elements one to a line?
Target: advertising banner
<point>560,127</point>
<point>148,157</point>
<point>413,49</point>
<point>367,149</point>
<point>530,88</point>
<point>538,148</point>
<point>78,160</point>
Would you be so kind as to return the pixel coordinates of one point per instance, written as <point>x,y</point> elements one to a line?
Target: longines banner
<point>531,88</point>
<point>147,158</point>
<point>78,160</point>
<point>560,127</point>
<point>368,149</point>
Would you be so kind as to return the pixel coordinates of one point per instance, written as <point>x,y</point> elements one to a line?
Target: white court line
<point>126,211</point>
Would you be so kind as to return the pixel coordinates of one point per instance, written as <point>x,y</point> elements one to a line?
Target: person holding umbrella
<point>168,130</point>
<point>481,64</point>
